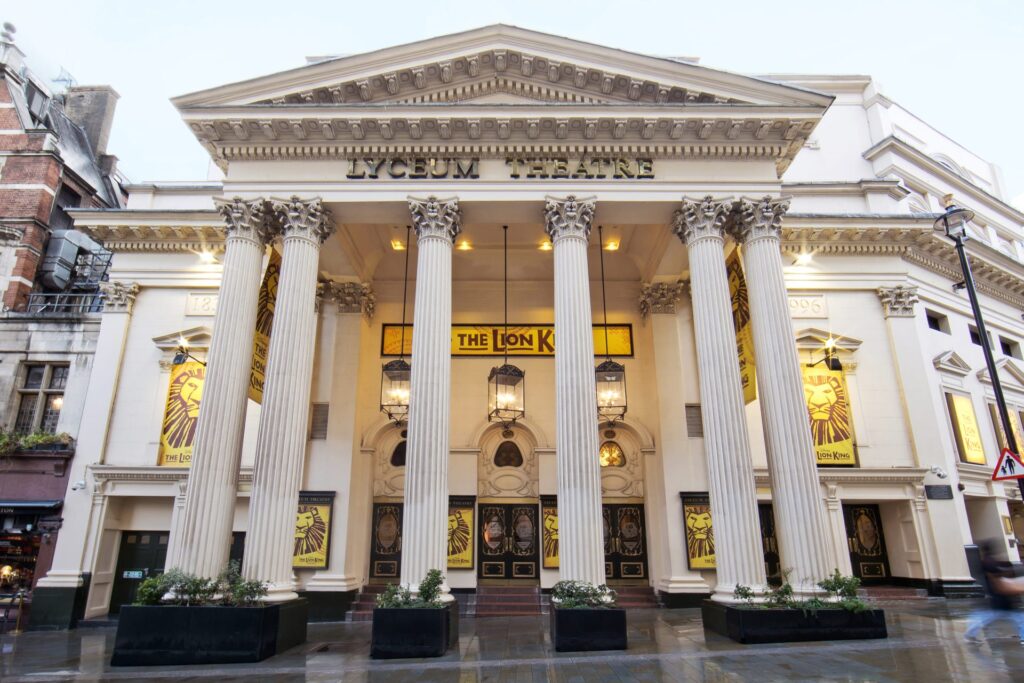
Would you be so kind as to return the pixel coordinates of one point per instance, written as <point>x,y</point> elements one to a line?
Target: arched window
<point>508,455</point>
<point>398,455</point>
<point>612,455</point>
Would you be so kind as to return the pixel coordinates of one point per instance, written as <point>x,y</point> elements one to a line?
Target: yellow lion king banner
<point>741,323</point>
<point>460,533</point>
<point>264,322</point>
<point>828,408</point>
<point>313,530</point>
<point>181,415</point>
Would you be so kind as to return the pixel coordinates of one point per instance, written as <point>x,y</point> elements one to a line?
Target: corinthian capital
<point>701,218</point>
<point>245,218</point>
<point>660,297</point>
<point>119,297</point>
<point>569,217</point>
<point>305,218</point>
<point>351,297</point>
<point>898,301</point>
<point>759,218</point>
<point>433,217</point>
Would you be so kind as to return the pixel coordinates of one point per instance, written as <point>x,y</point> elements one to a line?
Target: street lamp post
<point>954,224</point>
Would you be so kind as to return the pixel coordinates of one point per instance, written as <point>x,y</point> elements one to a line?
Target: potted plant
<point>837,614</point>
<point>407,625</point>
<point>180,618</point>
<point>584,617</point>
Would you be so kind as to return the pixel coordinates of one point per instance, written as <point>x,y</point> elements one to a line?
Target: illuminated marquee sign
<point>523,340</point>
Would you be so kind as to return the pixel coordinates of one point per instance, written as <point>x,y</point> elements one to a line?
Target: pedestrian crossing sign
<point>1009,467</point>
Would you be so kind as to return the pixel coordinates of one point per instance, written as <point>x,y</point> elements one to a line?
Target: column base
<point>281,593</point>
<point>61,606</point>
<point>332,582</point>
<point>326,606</point>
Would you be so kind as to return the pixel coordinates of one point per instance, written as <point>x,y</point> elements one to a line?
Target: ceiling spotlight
<point>545,245</point>
<point>804,258</point>
<point>464,245</point>
<point>397,244</point>
<point>611,245</point>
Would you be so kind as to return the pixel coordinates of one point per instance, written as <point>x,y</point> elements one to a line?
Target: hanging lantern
<point>611,391</point>
<point>506,385</point>
<point>394,390</point>
<point>610,376</point>
<point>395,375</point>
<point>506,394</point>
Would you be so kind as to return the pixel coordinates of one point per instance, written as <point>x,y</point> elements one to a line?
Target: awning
<point>27,507</point>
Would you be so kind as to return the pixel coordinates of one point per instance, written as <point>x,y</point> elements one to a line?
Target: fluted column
<point>804,541</point>
<point>284,418</point>
<point>425,516</point>
<point>202,540</point>
<point>581,552</point>
<point>699,224</point>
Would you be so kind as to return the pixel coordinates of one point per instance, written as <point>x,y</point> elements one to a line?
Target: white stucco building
<point>830,189</point>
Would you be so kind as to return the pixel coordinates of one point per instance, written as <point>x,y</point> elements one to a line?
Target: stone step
<point>893,593</point>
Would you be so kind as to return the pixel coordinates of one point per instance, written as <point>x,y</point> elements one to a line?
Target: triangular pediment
<point>814,339</point>
<point>1011,376</point>
<point>951,362</point>
<point>195,337</point>
<point>567,70</point>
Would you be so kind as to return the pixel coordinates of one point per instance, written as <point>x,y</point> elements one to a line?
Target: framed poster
<point>460,532</point>
<point>700,534</point>
<point>1007,525</point>
<point>549,521</point>
<point>965,428</point>
<point>313,530</point>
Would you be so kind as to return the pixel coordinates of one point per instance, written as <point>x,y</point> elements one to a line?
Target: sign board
<point>938,492</point>
<point>522,340</point>
<point>1008,467</point>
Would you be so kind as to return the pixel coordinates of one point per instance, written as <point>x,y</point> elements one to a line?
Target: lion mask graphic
<point>310,531</point>
<point>182,414</point>
<point>826,404</point>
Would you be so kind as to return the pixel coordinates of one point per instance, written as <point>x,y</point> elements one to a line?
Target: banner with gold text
<point>993,412</point>
<point>700,533</point>
<point>965,427</point>
<point>828,408</point>
<point>741,323</point>
<point>313,530</point>
<point>264,322</point>
<point>460,532</point>
<point>523,340</point>
<point>549,517</point>
<point>181,414</point>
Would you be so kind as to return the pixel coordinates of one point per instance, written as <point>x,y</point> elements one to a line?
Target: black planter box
<point>160,635</point>
<point>584,630</point>
<point>399,633</point>
<point>746,625</point>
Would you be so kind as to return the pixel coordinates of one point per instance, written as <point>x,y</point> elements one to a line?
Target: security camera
<point>78,485</point>
<point>938,472</point>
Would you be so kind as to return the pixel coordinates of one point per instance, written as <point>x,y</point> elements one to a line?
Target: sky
<point>957,65</point>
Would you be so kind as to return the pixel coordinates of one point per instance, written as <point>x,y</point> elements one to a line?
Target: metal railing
<point>64,303</point>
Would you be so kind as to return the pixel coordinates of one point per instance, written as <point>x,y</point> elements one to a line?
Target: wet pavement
<point>925,645</point>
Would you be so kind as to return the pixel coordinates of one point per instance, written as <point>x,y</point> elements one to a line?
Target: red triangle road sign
<point>1009,467</point>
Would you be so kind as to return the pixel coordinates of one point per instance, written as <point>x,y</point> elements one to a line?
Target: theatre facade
<point>756,255</point>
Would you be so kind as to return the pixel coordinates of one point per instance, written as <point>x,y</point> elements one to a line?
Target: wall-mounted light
<point>804,258</point>
<point>464,245</point>
<point>207,257</point>
<point>831,360</point>
<point>545,245</point>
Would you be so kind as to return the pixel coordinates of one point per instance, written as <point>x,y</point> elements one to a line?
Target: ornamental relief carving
<point>899,301</point>
<point>627,480</point>
<point>388,478</point>
<point>660,297</point>
<point>498,477</point>
<point>569,216</point>
<point>701,219</point>
<point>433,217</point>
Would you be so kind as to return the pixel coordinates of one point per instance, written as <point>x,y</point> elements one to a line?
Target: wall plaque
<point>808,306</point>
<point>938,492</point>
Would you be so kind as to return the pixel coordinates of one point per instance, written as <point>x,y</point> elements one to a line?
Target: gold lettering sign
<point>264,322</point>
<point>828,408</point>
<point>313,530</point>
<point>741,323</point>
<point>415,168</point>
<point>700,533</point>
<point>993,412</point>
<point>460,533</point>
<point>523,340</point>
<point>965,427</point>
<point>181,414</point>
<point>549,515</point>
<point>580,169</point>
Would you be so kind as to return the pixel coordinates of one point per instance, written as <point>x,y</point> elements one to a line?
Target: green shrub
<point>151,590</point>
<point>744,593</point>
<point>182,588</point>
<point>581,595</point>
<point>428,595</point>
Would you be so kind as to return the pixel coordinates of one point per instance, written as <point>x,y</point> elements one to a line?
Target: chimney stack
<point>92,108</point>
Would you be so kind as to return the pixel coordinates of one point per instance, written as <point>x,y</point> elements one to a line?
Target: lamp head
<point>954,221</point>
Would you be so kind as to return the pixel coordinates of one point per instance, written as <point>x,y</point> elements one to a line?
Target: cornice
<point>151,474</point>
<point>501,49</point>
<point>893,188</point>
<point>858,475</point>
<point>961,184</point>
<point>151,231</point>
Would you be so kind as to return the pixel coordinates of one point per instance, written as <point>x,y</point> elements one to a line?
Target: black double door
<point>142,554</point>
<point>625,542</point>
<point>866,542</point>
<point>386,542</point>
<point>508,540</point>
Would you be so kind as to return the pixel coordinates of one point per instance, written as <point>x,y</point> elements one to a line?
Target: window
<point>508,455</point>
<point>694,421</point>
<point>40,397</point>
<point>1009,347</point>
<point>612,455</point>
<point>976,337</point>
<point>318,420</point>
<point>937,321</point>
<point>398,455</point>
